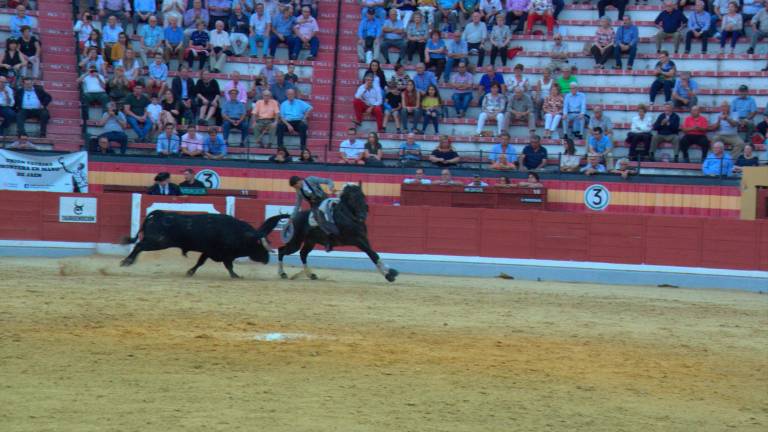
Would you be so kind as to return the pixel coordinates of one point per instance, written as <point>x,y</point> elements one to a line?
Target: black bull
<point>221,238</point>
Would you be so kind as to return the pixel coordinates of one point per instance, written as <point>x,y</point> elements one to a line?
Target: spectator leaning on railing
<point>168,142</point>
<point>717,163</point>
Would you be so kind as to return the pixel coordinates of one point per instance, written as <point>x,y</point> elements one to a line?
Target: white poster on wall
<point>77,209</point>
<point>46,173</point>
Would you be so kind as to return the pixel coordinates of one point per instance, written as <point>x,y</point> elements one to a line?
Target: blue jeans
<point>227,126</point>
<point>632,53</point>
<point>461,101</point>
<point>578,124</point>
<point>264,44</point>
<point>295,47</point>
<point>449,62</point>
<point>141,131</point>
<point>274,41</point>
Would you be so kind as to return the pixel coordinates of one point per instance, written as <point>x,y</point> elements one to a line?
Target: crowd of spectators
<point>453,39</point>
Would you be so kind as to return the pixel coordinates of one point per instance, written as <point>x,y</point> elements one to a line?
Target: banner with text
<point>57,173</point>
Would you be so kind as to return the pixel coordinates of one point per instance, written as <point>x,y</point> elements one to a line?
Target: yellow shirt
<point>429,102</point>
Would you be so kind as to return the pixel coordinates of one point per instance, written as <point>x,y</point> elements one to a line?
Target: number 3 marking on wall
<point>597,197</point>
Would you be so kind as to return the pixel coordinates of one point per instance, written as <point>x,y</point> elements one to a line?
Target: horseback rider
<point>310,189</point>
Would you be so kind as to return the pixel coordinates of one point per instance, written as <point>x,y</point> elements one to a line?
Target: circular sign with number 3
<point>210,178</point>
<point>597,197</point>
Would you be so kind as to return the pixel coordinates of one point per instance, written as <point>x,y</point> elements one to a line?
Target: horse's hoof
<point>283,275</point>
<point>391,275</point>
<point>235,276</point>
<point>313,276</point>
<point>126,262</point>
<point>190,273</point>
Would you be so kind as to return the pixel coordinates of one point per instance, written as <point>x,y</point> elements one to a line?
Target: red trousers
<point>376,112</point>
<point>547,18</point>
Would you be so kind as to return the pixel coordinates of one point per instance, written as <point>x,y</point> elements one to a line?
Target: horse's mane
<point>353,201</point>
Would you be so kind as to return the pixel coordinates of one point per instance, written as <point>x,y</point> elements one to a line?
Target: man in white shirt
<point>94,87</point>
<point>352,149</point>
<point>7,102</point>
<point>261,26</point>
<point>418,178</point>
<point>368,100</point>
<point>220,46</point>
<point>475,33</point>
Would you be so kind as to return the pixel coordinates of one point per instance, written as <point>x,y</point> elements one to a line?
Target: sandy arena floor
<point>88,346</point>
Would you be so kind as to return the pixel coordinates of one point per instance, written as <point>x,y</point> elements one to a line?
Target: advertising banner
<point>44,173</point>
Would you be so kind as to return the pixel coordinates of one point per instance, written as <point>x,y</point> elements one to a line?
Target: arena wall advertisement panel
<point>58,173</point>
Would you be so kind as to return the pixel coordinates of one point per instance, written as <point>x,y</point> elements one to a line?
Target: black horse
<point>349,215</point>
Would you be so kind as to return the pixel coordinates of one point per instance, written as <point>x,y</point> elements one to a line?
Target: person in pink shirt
<point>192,142</point>
<point>304,32</point>
<point>242,89</point>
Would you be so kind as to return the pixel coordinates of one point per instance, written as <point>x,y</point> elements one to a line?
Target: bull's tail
<point>131,240</point>
<point>270,224</point>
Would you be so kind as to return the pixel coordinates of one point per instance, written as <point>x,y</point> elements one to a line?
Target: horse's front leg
<point>305,250</point>
<point>389,273</point>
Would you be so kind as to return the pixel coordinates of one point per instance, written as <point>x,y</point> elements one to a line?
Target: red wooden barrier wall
<point>612,238</point>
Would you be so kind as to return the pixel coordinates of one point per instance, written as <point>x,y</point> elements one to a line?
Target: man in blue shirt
<point>168,142</point>
<point>369,36</point>
<point>574,111</point>
<point>173,41</point>
<point>109,34</point>
<point>410,151</point>
<point>670,22</point>
<point>627,37</point>
<point>503,148</point>
<point>282,30</point>
<point>142,10</point>
<point>214,146</point>
<point>593,166</point>
<point>489,77</point>
<point>150,40</point>
<point>718,163</point>
<point>457,51</point>
<point>684,91</point>
<point>20,20</point>
<point>600,144</point>
<point>745,108</point>
<point>393,36</point>
<point>234,116</point>
<point>423,79</point>
<point>293,115</point>
<point>698,27</point>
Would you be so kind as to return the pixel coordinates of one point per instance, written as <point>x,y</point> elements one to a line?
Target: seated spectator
<point>745,108</point>
<point>717,163</point>
<point>192,16</point>
<point>435,54</point>
<point>109,36</point>
<point>265,118</point>
<point>220,47</point>
<point>462,84</point>
<point>593,166</point>
<point>241,91</point>
<point>477,182</point>
<point>393,36</point>
<point>94,88</point>
<point>558,55</point>
<point>150,39</point>
<point>504,182</point>
<point>13,61</point>
<point>172,111</point>
<point>520,107</point>
<point>731,27</point>
<point>762,127</point>
<point>457,51</point>
<point>698,27</point>
<point>293,118</point>
<point>352,150</point>
<point>541,90</point>
<point>393,103</point>
<point>29,46</point>
<point>132,65</point>
<point>746,159</point>
<point>418,178</point>
<point>234,115</point>
<point>695,129</point>
<point>411,99</point>
<point>113,124</point>
<point>374,7</point>
<point>22,143</point>
<point>143,11</point>
<point>83,28</point>
<point>260,25</point>
<point>489,78</point>
<point>517,12</point>
<point>553,111</point>
<point>447,14</point>
<point>427,8</point>
<point>500,38</point>
<point>533,181</point>
<point>503,155</point>
<point>603,48</point>
<point>623,168</point>
<point>306,157</point>
<point>214,146</point>
<point>118,87</point>
<point>627,37</point>
<point>157,75</point>
<point>305,31</point>
<point>619,5</point>
<point>116,54</point>
<point>94,41</point>
<point>476,33</point>
<point>208,95</point>
<point>32,101</point>
<point>163,186</point>
<point>290,75</point>
<point>154,110</point>
<point>405,9</point>
<point>416,34</point>
<point>574,111</point>
<point>410,151</point>
<point>183,88</point>
<point>534,156</point>
<point>446,179</point>
<point>379,78</point>
<point>373,154</point>
<point>670,23</point>
<point>431,107</point>
<point>281,156</point>
<point>7,105</point>
<point>239,23</point>
<point>192,142</point>
<point>759,29</point>
<point>667,127</point>
<point>190,181</point>
<point>444,154</point>
<point>492,106</point>
<point>541,10</point>
<point>750,8</point>
<point>368,101</point>
<point>369,33</point>
<point>282,30</point>
<point>199,46</point>
<point>569,162</point>
<point>102,146</point>
<point>565,80</point>
<point>684,93</point>
<point>173,9</point>
<point>639,134</point>
<point>518,80</point>
<point>279,88</point>
<point>423,79</point>
<point>665,77</point>
<point>599,119</point>
<point>219,11</point>
<point>726,124</point>
<point>173,41</point>
<point>168,142</point>
<point>601,145</point>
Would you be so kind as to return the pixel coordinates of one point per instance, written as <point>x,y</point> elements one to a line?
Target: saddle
<point>326,207</point>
